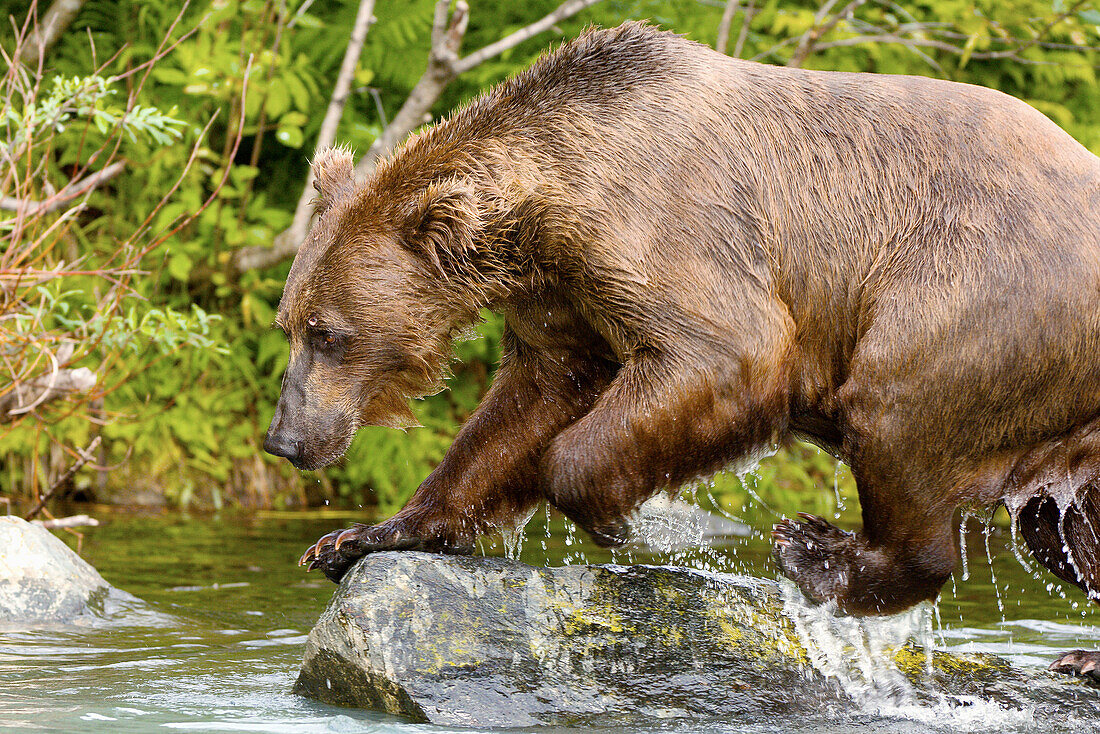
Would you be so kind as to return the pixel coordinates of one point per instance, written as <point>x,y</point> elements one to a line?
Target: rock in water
<point>43,581</point>
<point>493,642</point>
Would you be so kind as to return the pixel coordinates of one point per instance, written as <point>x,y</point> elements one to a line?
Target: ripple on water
<point>234,612</point>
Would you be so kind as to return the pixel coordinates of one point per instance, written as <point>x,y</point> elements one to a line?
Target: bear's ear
<point>333,176</point>
<point>443,224</point>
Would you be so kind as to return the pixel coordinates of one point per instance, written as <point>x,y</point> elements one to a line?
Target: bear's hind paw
<point>1084,663</point>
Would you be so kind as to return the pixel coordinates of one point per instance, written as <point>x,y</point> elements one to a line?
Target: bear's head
<point>368,307</point>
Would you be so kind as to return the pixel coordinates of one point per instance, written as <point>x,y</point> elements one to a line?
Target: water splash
<point>840,507</point>
<point>668,524</point>
<point>858,655</point>
<point>513,535</point>
<point>574,546</point>
<point>992,573</point>
<point>1014,528</point>
<point>962,545</point>
<point>857,652</point>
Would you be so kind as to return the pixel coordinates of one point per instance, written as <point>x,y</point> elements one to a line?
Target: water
<point>233,614</point>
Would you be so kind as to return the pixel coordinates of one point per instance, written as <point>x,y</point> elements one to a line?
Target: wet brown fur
<point>699,257</point>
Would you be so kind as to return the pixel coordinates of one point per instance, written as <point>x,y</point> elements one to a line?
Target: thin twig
<point>444,65</point>
<point>30,208</point>
<point>808,40</point>
<point>563,11</point>
<point>286,243</point>
<point>303,212</point>
<point>82,458</point>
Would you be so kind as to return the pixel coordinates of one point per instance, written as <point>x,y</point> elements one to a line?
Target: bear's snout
<point>282,439</point>
<point>284,444</point>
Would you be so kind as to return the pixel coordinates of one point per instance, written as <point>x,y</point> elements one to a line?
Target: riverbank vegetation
<point>153,187</point>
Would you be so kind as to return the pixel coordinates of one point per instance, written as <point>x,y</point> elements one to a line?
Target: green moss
<point>912,661</point>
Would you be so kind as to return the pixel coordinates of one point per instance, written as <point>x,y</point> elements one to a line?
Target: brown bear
<point>696,258</point>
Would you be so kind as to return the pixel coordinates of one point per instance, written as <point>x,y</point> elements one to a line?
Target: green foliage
<point>84,98</point>
<point>189,418</point>
<point>66,299</point>
<point>114,331</point>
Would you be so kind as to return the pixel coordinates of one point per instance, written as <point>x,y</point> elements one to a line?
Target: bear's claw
<point>811,552</point>
<point>335,552</point>
<point>1085,663</point>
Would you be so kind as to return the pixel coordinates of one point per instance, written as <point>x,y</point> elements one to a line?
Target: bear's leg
<point>1062,529</point>
<point>488,476</point>
<point>658,425</point>
<point>892,564</point>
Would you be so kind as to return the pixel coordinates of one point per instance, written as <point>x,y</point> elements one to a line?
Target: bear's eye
<point>325,340</point>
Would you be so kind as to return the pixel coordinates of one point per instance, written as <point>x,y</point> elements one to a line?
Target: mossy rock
<point>494,642</point>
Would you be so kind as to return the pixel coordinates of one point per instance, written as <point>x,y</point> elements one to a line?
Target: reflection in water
<point>233,610</point>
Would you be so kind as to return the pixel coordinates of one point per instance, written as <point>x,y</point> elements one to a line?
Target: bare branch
<point>75,521</point>
<point>417,106</point>
<point>444,64</point>
<point>57,18</point>
<point>247,258</point>
<point>750,13</point>
<point>891,38</point>
<point>917,40</point>
<point>1051,45</point>
<point>30,208</point>
<point>563,11</point>
<point>809,39</point>
<point>363,20</point>
<point>81,459</point>
<point>29,395</point>
<point>916,35</point>
<point>772,51</point>
<point>299,13</point>
<point>1014,52</point>
<point>732,6</point>
<point>439,21</point>
<point>286,243</point>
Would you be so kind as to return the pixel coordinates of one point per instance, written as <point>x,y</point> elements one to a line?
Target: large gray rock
<point>494,642</point>
<point>43,581</point>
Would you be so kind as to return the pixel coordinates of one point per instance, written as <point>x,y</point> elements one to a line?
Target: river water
<point>232,612</point>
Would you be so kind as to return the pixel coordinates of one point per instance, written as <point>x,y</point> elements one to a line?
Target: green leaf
<point>290,136</point>
<point>305,20</point>
<point>278,100</point>
<point>179,266</point>
<point>169,75</point>
<point>968,49</point>
<point>303,100</point>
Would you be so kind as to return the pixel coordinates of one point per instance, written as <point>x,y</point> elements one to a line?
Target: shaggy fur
<point>699,257</point>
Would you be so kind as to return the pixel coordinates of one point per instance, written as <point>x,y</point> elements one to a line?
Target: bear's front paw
<point>611,535</point>
<point>335,552</point>
<point>813,554</point>
<point>1085,663</point>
